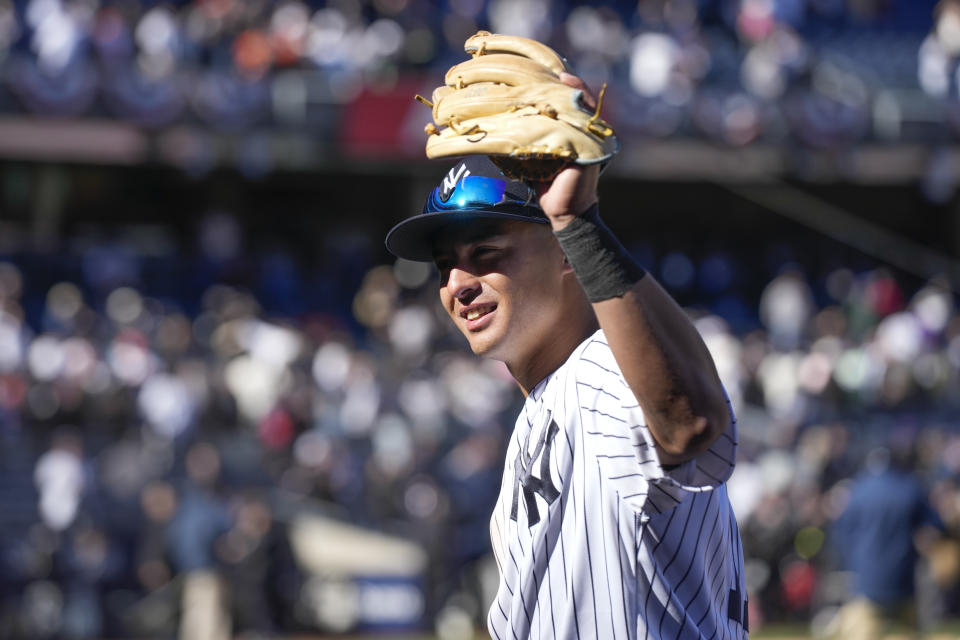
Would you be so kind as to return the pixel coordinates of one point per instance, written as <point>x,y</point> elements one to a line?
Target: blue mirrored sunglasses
<point>473,193</point>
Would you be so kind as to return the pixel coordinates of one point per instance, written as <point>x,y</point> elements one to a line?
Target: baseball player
<point>613,519</point>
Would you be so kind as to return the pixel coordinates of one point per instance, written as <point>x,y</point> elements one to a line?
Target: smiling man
<point>613,519</point>
<point>508,283</point>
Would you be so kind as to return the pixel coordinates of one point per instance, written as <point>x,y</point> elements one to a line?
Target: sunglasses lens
<point>472,192</point>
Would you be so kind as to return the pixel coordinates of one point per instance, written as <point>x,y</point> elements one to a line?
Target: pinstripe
<point>493,629</point>
<point>586,529</point>
<point>703,577</point>
<point>573,583</point>
<point>669,564</point>
<point>598,389</point>
<point>735,529</point>
<point>683,533</point>
<point>606,553</point>
<point>708,474</point>
<point>717,455</point>
<point>598,365</point>
<point>721,628</point>
<point>536,582</point>
<point>714,583</point>
<point>675,585</point>
<point>669,586</point>
<point>523,599</point>
<point>568,580</point>
<point>693,561</point>
<point>505,617</point>
<point>553,623</point>
<point>563,552</point>
<point>653,577</point>
<point>623,594</point>
<point>605,415</point>
<point>607,435</point>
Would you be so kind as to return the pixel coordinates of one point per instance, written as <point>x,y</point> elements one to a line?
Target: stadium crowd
<point>148,435</point>
<point>824,72</point>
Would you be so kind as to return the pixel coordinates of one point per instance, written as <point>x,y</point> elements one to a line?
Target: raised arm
<point>662,357</point>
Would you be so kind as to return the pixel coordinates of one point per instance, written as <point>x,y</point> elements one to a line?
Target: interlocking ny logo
<point>530,484</point>
<point>451,179</point>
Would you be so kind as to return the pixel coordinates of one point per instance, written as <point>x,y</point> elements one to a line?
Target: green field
<point>948,631</point>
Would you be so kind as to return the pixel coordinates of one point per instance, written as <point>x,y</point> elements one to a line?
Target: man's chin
<point>484,347</point>
<point>480,349</point>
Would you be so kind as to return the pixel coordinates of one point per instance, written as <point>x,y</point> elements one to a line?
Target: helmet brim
<point>415,238</point>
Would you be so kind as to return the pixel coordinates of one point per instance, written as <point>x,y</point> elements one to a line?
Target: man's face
<point>500,282</point>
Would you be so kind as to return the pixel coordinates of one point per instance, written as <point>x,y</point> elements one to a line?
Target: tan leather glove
<point>508,102</point>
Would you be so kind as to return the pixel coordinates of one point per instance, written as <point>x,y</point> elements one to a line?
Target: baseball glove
<point>507,102</point>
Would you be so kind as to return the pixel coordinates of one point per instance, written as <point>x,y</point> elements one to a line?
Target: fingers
<point>570,193</point>
<point>540,188</point>
<point>573,81</point>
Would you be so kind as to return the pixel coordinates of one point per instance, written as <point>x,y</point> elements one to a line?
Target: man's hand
<point>574,189</point>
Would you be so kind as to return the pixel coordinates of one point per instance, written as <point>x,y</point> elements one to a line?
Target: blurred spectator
<point>201,518</point>
<point>158,502</point>
<point>259,567</point>
<point>90,560</point>
<point>60,480</point>
<point>876,535</point>
<point>786,306</point>
<point>940,51</point>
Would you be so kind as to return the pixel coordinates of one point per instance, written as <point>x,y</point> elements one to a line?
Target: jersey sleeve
<point>625,447</point>
<point>707,471</point>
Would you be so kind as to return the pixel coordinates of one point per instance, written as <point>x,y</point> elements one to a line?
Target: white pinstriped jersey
<point>593,538</point>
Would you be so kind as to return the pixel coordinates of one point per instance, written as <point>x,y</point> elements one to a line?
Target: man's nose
<point>462,284</point>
